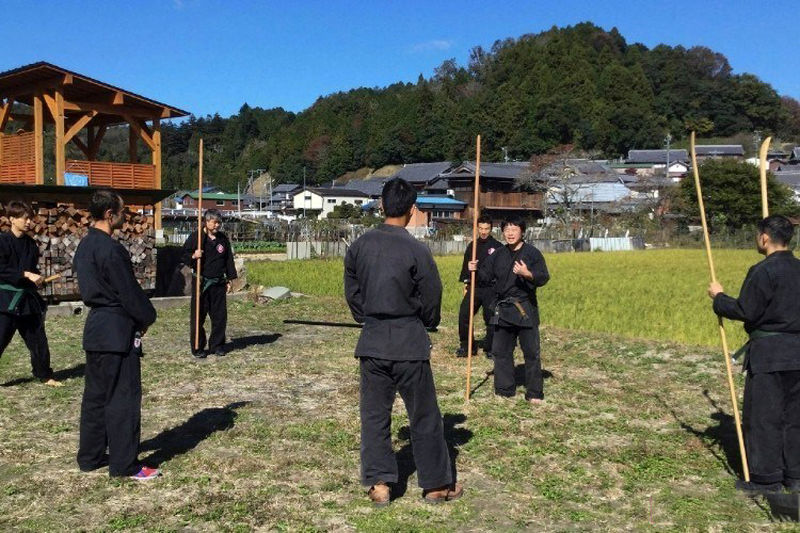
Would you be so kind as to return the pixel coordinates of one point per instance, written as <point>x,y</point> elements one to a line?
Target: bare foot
<point>53,383</point>
<point>536,401</point>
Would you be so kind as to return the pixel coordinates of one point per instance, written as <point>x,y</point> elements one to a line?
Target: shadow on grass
<point>74,372</point>
<point>181,439</point>
<point>719,439</point>
<point>455,437</point>
<point>519,375</point>
<point>240,343</point>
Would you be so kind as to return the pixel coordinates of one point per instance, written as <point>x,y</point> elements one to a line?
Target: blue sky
<point>211,56</point>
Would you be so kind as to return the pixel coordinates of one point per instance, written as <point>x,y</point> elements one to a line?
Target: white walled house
<point>322,201</point>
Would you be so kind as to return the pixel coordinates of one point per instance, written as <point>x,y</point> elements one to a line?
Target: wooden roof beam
<point>119,98</point>
<point>141,130</point>
<point>5,114</point>
<point>79,125</point>
<point>109,109</point>
<point>33,88</point>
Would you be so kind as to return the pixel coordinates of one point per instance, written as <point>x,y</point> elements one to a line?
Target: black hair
<point>397,197</point>
<point>212,213</point>
<point>18,209</point>
<point>779,229</point>
<point>513,220</point>
<point>484,219</point>
<point>102,201</point>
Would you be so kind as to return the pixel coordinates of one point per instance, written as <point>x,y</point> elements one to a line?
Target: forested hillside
<point>578,85</point>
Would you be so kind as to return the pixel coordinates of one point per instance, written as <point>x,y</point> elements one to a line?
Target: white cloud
<point>436,44</point>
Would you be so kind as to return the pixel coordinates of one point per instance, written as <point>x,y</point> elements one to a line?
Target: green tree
<point>732,194</point>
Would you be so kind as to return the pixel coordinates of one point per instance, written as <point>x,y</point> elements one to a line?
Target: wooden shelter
<point>73,103</point>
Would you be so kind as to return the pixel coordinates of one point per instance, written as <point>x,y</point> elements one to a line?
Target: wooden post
<point>762,168</point>
<point>89,141</point>
<point>723,337</point>
<point>157,163</point>
<point>60,152</point>
<point>198,270</point>
<point>133,156</point>
<point>475,210</point>
<point>38,137</point>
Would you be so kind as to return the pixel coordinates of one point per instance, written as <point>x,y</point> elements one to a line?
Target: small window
<point>220,202</point>
<point>308,197</point>
<point>331,200</point>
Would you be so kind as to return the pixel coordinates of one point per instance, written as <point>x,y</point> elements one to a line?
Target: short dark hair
<point>778,227</point>
<point>212,213</point>
<point>18,209</point>
<point>102,201</point>
<point>513,220</point>
<point>484,219</point>
<point>397,197</point>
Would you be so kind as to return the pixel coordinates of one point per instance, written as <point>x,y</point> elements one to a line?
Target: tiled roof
<point>422,172</point>
<point>656,156</point>
<point>719,149</point>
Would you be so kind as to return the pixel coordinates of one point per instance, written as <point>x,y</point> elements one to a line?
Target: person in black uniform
<point>517,270</point>
<point>392,286</point>
<point>21,307</point>
<point>484,292</point>
<point>769,306</point>
<point>119,315</point>
<point>217,271</point>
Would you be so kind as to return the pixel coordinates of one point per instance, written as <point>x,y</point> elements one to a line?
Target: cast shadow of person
<point>455,437</point>
<point>719,439</point>
<point>64,374</point>
<point>240,343</point>
<point>181,439</point>
<point>519,375</point>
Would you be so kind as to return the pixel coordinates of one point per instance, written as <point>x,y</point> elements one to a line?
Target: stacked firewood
<point>58,230</point>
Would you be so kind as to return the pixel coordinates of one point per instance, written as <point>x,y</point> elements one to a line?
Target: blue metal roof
<point>430,200</point>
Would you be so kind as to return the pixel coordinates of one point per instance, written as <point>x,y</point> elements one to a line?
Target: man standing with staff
<point>517,270</point>
<point>769,306</point>
<point>217,270</point>
<point>392,286</point>
<point>21,307</point>
<point>119,315</point>
<point>485,246</point>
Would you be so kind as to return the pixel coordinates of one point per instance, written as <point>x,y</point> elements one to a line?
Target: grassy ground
<point>655,294</point>
<point>635,435</point>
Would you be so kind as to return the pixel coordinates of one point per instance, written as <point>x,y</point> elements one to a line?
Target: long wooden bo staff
<point>762,167</point>
<point>199,248</point>
<point>475,210</point>
<point>723,337</point>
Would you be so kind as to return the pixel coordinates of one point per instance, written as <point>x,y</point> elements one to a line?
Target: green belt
<point>208,282</point>
<point>12,306</point>
<point>755,334</point>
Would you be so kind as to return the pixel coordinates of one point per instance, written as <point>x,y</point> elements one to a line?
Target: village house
<point>321,201</point>
<point>283,195</point>
<point>224,202</point>
<point>648,163</point>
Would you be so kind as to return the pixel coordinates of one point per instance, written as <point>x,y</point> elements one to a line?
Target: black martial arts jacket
<point>119,306</point>
<point>18,255</point>
<point>484,249</point>
<point>512,291</point>
<point>392,285</point>
<point>769,301</point>
<point>217,261</point>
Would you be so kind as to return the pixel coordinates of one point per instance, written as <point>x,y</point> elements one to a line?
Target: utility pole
<point>304,192</point>
<point>505,154</point>
<point>668,140</point>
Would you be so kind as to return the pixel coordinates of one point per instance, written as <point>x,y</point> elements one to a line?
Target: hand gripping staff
<point>762,168</point>
<point>722,335</point>
<point>199,248</point>
<point>475,210</point>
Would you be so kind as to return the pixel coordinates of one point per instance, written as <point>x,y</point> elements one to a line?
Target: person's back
<point>392,285</point>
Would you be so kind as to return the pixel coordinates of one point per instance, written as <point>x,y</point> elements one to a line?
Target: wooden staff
<point>474,254</point>
<point>762,167</point>
<point>50,279</point>
<point>199,249</point>
<point>722,335</point>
